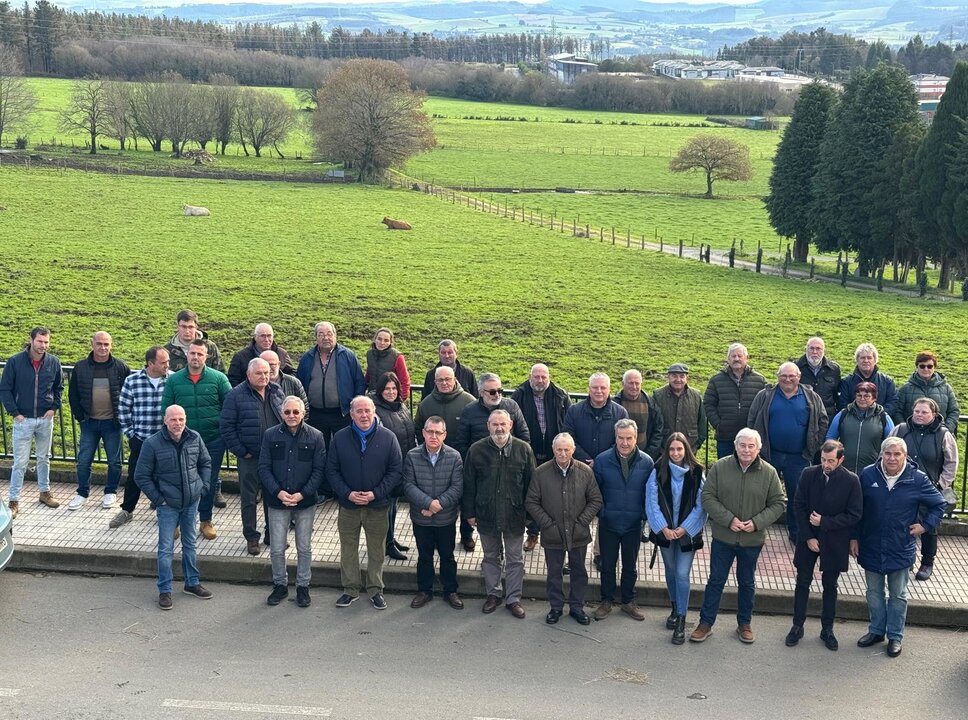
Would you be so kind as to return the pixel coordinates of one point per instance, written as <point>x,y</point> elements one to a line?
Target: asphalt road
<point>99,647</point>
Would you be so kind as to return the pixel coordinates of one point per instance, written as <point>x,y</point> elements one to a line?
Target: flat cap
<point>678,368</point>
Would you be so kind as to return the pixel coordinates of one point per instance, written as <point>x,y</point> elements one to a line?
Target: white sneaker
<point>109,500</point>
<point>76,502</point>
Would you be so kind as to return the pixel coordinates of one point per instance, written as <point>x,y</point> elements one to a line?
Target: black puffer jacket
<point>241,422</point>
<point>825,382</point>
<point>81,385</point>
<point>728,403</point>
<point>473,423</point>
<point>424,482</point>
<point>173,473</point>
<point>556,404</point>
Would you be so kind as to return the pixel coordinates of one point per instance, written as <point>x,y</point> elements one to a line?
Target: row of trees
<point>861,172</point>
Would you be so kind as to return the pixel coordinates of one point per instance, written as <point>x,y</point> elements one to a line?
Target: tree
<point>791,183</point>
<point>86,110</point>
<point>718,157</point>
<point>369,117</point>
<point>225,100</point>
<point>117,109</point>
<point>263,119</point>
<point>17,100</point>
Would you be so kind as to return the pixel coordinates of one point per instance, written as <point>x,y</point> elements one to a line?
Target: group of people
<point>865,468</point>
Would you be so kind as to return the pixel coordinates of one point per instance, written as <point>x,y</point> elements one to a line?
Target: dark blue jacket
<point>241,423</point>
<point>886,389</point>
<point>623,501</point>
<point>294,463</point>
<point>176,474</point>
<point>19,392</point>
<point>378,469</point>
<point>884,530</point>
<point>592,436</point>
<point>349,373</point>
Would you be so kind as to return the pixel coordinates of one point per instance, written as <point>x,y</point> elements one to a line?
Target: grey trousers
<point>278,531</point>
<point>505,552</point>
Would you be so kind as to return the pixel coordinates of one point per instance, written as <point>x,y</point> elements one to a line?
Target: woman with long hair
<point>395,416</point>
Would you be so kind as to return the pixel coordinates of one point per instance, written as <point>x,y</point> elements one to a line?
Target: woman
<point>933,448</point>
<point>927,382</point>
<point>673,504</point>
<point>861,427</point>
<point>382,358</point>
<point>395,416</point>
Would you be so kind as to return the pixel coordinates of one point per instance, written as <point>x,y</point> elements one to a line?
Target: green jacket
<point>496,482</point>
<point>449,407</point>
<point>202,400</point>
<point>938,389</point>
<point>755,494</point>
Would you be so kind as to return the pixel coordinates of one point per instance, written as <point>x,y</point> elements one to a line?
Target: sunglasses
<point>926,366</point>
<point>292,412</point>
<point>492,393</point>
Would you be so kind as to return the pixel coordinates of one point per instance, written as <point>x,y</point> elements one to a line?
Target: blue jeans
<point>789,467</point>
<point>92,433</point>
<point>216,449</point>
<point>168,519</point>
<point>724,448</point>
<point>887,616</point>
<point>678,564</point>
<point>279,530</point>
<point>720,561</point>
<point>25,433</point>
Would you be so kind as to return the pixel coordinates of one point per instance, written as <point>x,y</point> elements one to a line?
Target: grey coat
<point>759,420</point>
<point>424,482</point>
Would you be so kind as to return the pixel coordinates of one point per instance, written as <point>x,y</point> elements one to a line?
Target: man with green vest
<point>681,407</point>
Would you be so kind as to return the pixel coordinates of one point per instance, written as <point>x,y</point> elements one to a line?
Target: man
<point>139,413</point>
<point>828,504</point>
<point>742,496</point>
<point>543,405</point>
<point>640,409</point>
<point>174,471</point>
<point>289,383</point>
<point>821,373</point>
<point>792,422</point>
<point>332,376</point>
<point>292,461</point>
<point>201,391</point>
<point>927,382</point>
<point>564,499</point>
<point>30,389</point>
<point>447,352</point>
<point>363,466</point>
<point>729,395</point>
<point>621,472</point>
<point>249,410</point>
<point>497,474</point>
<point>865,357</point>
<point>178,346</point>
<point>885,538</point>
<point>681,407</point>
<point>447,400</point>
<point>262,340</point>
<point>433,480</point>
<point>592,421</point>
<point>94,391</point>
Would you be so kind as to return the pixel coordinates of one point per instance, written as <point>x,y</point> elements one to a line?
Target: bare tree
<point>86,110</point>
<point>369,116</point>
<point>179,114</point>
<point>17,100</point>
<point>225,100</point>
<point>263,119</point>
<point>148,113</point>
<point>718,157</point>
<point>117,106</point>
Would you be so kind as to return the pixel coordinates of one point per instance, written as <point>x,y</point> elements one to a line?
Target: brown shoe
<point>490,604</point>
<point>516,610</point>
<point>47,499</point>
<point>453,599</point>
<point>207,530</point>
<point>253,547</point>
<point>632,611</point>
<point>701,633</point>
<point>469,544</point>
<point>745,634</point>
<point>603,609</point>
<point>14,508</point>
<point>531,543</point>
<point>420,599</point>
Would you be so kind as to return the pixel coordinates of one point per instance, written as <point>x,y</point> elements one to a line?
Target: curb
<point>257,571</point>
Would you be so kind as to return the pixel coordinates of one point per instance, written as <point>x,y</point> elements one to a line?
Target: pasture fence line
<point>589,151</point>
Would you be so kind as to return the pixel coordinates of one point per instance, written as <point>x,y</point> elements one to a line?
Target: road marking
<point>8,692</point>
<point>478,717</point>
<point>248,707</point>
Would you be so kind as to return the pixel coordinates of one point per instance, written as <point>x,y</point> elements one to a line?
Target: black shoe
<point>827,635</point>
<point>870,639</point>
<point>565,570</point>
<point>924,572</point>
<point>345,599</point>
<point>400,547</point>
<point>220,501</point>
<point>893,648</point>
<point>580,617</point>
<point>394,554</point>
<point>198,591</point>
<point>679,631</point>
<point>279,593</point>
<point>302,596</point>
<point>378,601</point>
<point>671,620</point>
<point>597,562</point>
<point>553,616</point>
<point>793,637</point>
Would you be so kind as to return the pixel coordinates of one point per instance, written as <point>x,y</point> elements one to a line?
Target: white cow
<point>195,210</point>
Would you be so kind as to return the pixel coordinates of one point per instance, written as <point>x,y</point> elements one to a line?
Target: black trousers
<point>132,493</point>
<point>328,422</point>
<point>801,594</point>
<point>442,541</point>
<point>611,543</point>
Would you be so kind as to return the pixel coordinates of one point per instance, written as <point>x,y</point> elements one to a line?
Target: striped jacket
<point>139,406</point>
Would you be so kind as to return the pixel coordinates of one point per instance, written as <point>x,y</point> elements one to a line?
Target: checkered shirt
<point>139,407</point>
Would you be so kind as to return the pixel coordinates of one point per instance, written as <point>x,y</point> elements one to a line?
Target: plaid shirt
<point>139,407</point>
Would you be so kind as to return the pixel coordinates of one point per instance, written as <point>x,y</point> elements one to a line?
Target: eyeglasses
<point>292,412</point>
<point>863,394</point>
<point>492,393</point>
<point>926,366</point>
<point>435,433</point>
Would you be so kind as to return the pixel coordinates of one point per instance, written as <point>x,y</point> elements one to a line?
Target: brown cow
<point>396,224</point>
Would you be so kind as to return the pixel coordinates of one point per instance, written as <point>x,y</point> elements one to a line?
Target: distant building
<point>760,123</point>
<point>929,88</point>
<point>690,70</point>
<point>568,66</point>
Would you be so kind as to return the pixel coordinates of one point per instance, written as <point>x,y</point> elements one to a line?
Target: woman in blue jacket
<point>673,505</point>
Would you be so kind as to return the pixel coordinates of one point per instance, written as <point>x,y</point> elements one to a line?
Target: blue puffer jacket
<point>884,530</point>
<point>241,421</point>
<point>623,507</point>
<point>593,430</point>
<point>24,392</point>
<point>349,374</point>
<point>175,474</point>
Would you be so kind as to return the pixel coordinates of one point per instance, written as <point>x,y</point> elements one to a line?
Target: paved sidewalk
<point>80,541</point>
